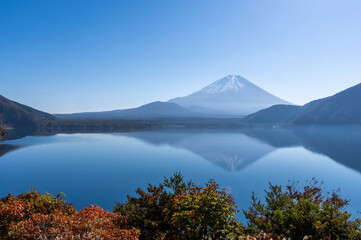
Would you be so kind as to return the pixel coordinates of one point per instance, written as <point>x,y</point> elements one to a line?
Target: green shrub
<point>180,210</point>
<point>295,213</point>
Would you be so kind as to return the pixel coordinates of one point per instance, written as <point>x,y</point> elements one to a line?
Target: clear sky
<point>65,56</point>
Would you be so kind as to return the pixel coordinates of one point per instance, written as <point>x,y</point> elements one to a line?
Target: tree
<point>2,134</point>
<point>205,212</point>
<point>334,222</point>
<point>149,211</point>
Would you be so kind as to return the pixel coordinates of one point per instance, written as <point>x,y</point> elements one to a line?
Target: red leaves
<point>36,216</point>
<point>16,208</point>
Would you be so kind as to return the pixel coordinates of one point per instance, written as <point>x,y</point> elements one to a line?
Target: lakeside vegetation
<point>177,209</point>
<point>2,133</point>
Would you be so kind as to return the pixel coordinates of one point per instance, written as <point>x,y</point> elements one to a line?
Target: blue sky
<point>66,56</point>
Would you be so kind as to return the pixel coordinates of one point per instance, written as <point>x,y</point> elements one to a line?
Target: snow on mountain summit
<point>228,83</point>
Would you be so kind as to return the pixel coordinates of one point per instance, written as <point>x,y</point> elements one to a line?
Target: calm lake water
<point>104,168</point>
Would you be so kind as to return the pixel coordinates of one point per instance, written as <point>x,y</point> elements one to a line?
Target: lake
<point>102,168</point>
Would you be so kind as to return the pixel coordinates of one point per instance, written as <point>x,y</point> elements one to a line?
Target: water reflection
<point>342,144</point>
<point>104,168</point>
<point>5,148</point>
<point>235,150</point>
<point>230,151</point>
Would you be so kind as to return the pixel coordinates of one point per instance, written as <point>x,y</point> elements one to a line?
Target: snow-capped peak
<point>230,96</point>
<point>228,83</point>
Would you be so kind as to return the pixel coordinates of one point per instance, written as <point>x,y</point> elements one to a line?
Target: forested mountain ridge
<point>341,108</point>
<point>13,114</point>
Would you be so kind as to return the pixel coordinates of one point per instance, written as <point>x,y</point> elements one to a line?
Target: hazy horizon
<point>65,56</point>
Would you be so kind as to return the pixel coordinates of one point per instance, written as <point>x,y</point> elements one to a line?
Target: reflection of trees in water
<point>14,134</point>
<point>5,148</point>
<point>340,143</point>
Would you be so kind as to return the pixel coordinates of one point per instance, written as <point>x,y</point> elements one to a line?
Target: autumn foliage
<point>179,210</point>
<point>35,216</point>
<point>182,210</point>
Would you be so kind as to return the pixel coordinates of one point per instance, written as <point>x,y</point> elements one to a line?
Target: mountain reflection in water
<point>234,150</point>
<point>231,151</point>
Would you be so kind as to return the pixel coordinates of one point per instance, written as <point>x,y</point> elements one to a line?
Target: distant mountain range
<point>230,97</point>
<point>24,120</point>
<point>150,110</point>
<point>341,108</point>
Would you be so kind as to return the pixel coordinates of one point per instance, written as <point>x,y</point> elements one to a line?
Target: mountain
<point>13,114</point>
<point>150,110</point>
<point>274,114</point>
<point>341,108</point>
<point>229,96</point>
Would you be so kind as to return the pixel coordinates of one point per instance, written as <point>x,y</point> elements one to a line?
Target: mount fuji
<point>229,96</point>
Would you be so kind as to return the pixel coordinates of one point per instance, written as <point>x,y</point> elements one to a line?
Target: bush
<point>294,213</point>
<point>185,211</point>
<point>205,212</point>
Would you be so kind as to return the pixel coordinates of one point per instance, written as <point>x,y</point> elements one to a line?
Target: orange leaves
<point>36,216</point>
<point>95,221</point>
<point>16,208</point>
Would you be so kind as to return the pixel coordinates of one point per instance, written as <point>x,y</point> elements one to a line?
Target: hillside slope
<point>13,114</point>
<point>341,108</point>
<point>274,114</point>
